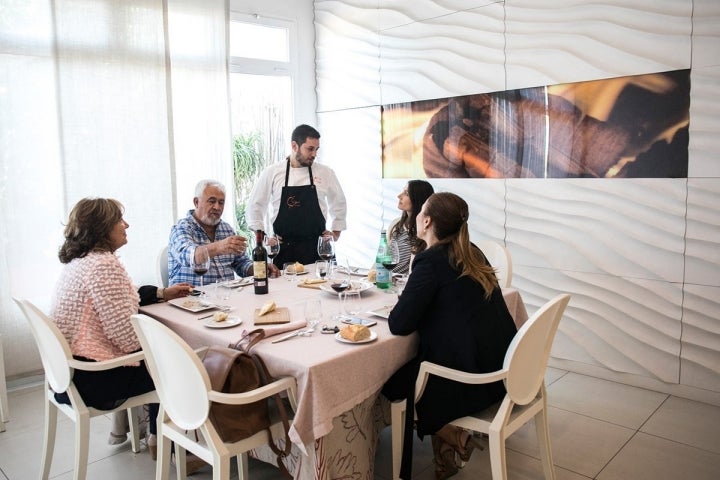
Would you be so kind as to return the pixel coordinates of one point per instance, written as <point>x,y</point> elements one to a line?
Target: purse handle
<point>249,340</point>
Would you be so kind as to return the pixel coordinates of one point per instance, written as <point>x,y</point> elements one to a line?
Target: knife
<point>288,336</point>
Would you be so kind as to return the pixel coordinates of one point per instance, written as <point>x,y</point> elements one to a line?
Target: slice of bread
<point>355,333</point>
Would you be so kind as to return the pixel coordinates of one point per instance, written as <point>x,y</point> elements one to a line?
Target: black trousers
<point>303,251</point>
<point>108,389</point>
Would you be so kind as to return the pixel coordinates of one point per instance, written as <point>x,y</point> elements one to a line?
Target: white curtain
<point>122,99</point>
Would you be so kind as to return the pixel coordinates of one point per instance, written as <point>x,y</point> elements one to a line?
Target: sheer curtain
<point>91,104</point>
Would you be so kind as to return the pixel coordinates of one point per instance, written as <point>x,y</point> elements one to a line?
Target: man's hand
<point>233,245</point>
<point>178,290</point>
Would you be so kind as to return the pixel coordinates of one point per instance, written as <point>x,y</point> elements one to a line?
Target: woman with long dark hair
<point>453,300</point>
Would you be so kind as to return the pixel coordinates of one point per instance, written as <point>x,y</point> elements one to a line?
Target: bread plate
<point>227,323</point>
<point>382,312</point>
<point>373,336</point>
<point>355,286</point>
<point>191,304</point>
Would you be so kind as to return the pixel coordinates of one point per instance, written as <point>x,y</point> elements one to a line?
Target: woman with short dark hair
<point>93,302</point>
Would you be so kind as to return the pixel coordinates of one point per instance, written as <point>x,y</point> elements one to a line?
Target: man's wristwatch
<point>160,293</point>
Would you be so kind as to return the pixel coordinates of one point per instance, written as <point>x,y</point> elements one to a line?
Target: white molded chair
<point>185,394</point>
<point>524,375</point>
<point>4,406</point>
<point>499,257</point>
<point>58,363</point>
<point>162,267</point>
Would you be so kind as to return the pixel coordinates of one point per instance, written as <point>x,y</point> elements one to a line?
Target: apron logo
<point>292,203</point>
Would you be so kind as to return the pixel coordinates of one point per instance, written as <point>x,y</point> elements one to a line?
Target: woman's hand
<point>178,290</point>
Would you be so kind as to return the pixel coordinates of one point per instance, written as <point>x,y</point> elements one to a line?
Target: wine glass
<point>339,281</point>
<point>351,302</point>
<point>326,247</point>
<point>272,245</point>
<point>289,271</point>
<point>201,265</point>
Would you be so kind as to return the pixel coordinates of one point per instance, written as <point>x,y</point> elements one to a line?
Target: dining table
<point>339,413</point>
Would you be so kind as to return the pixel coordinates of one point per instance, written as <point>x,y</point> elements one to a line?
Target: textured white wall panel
<point>556,41</point>
<point>350,144</point>
<point>456,54</point>
<point>347,63</point>
<point>394,13</point>
<point>622,324</point>
<point>629,228</point>
<point>700,338</point>
<point>706,33</point>
<point>704,122</point>
<point>702,255</point>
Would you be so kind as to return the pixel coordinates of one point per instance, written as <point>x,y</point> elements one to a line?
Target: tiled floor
<point>599,429</point>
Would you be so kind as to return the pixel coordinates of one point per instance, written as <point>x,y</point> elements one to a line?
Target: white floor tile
<point>686,421</point>
<point>579,443</point>
<point>652,458</point>
<point>604,400</point>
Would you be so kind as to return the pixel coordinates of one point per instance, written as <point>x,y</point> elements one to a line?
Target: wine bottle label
<point>260,270</point>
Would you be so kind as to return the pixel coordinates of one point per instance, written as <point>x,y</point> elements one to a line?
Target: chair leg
<point>50,430</point>
<point>242,464</point>
<point>498,464</point>
<point>397,426</point>
<point>543,439</point>
<point>162,470</point>
<point>221,470</point>
<point>132,414</point>
<point>82,443</point>
<point>180,462</point>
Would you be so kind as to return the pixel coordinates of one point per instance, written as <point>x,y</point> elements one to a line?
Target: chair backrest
<point>54,350</point>
<point>499,257</point>
<point>162,267</point>
<point>181,381</point>
<point>527,356</point>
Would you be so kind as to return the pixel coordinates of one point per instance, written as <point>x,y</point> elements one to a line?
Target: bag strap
<point>249,340</point>
<point>280,405</point>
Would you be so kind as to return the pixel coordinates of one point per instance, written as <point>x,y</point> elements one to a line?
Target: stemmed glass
<point>326,247</point>
<point>339,281</point>
<point>201,265</point>
<point>272,245</point>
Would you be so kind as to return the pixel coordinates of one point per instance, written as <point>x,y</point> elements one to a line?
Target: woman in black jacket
<point>453,300</point>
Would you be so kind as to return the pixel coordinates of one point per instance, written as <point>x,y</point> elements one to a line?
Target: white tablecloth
<point>338,383</point>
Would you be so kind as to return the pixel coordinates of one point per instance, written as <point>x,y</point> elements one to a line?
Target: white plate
<point>191,304</point>
<point>356,286</point>
<point>304,272</point>
<point>373,337</point>
<point>229,322</point>
<point>359,271</point>
<point>238,282</point>
<point>382,312</point>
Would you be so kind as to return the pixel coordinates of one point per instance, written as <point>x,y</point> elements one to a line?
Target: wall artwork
<point>627,127</point>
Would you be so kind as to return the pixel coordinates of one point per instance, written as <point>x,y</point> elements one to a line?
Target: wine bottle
<point>382,274</point>
<point>260,266</point>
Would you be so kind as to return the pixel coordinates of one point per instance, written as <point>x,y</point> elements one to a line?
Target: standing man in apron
<point>300,198</point>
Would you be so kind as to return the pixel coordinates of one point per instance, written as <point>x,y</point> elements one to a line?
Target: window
<point>262,64</point>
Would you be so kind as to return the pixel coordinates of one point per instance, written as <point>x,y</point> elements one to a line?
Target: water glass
<point>313,311</point>
<point>222,292</point>
<point>289,271</point>
<point>351,302</point>
<point>321,268</point>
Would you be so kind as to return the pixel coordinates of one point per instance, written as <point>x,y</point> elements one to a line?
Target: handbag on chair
<point>235,370</point>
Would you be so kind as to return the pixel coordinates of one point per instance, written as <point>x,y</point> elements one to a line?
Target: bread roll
<point>267,308</point>
<point>299,268</point>
<point>355,333</point>
<point>220,316</point>
<point>371,276</point>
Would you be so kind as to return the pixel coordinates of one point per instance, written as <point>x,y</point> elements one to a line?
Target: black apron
<point>299,222</point>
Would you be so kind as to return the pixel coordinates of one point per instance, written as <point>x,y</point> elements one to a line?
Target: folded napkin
<point>271,330</point>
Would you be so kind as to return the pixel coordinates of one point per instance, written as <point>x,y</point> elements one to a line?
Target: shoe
<point>151,442</point>
<point>461,441</point>
<point>120,428</point>
<point>444,458</point>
